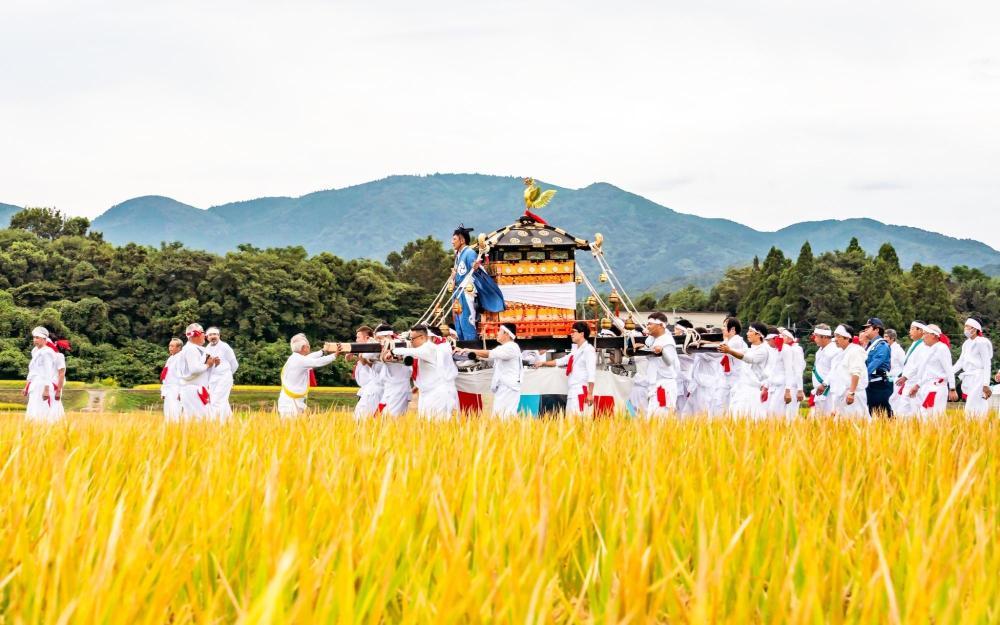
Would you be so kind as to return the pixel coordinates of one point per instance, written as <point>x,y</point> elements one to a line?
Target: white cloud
<point>767,113</point>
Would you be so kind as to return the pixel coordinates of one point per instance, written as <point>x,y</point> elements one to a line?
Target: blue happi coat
<point>488,294</point>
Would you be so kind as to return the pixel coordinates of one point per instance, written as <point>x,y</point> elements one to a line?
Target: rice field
<point>119,518</point>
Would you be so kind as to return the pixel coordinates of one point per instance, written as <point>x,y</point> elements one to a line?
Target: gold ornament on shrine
<point>630,323</point>
<point>605,323</point>
<point>614,299</point>
<point>591,301</point>
<point>603,277</point>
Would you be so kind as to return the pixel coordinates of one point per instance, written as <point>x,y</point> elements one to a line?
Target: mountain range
<point>651,247</point>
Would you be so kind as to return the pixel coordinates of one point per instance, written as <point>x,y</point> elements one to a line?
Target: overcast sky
<point>767,113</point>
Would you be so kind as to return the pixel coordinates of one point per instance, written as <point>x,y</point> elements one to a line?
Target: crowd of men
<point>854,374</point>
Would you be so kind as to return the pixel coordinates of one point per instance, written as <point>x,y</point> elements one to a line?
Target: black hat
<point>463,232</point>
<point>874,322</point>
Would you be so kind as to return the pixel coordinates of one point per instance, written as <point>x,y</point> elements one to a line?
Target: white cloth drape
<point>561,295</point>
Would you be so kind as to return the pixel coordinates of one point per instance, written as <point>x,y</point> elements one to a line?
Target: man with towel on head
<point>935,380</point>
<point>827,354</point>
<point>780,375</point>
<point>663,369</point>
<point>194,367</point>
<point>221,380</point>
<point>798,371</point>
<point>42,372</point>
<point>437,399</point>
<point>903,404</point>
<point>849,378</point>
<point>170,382</point>
<point>367,374</point>
<point>750,394</point>
<point>394,376</point>
<point>507,371</point>
<point>581,370</point>
<point>467,272</point>
<point>976,364</point>
<point>732,330</point>
<point>298,375</point>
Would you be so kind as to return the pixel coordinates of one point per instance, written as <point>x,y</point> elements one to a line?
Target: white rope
<point>437,301</point>
<point>615,282</point>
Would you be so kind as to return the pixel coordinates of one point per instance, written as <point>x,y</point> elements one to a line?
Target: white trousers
<point>438,403</point>
<point>171,402</point>
<point>709,400</point>
<point>661,400</point>
<point>821,405</point>
<point>288,407</point>
<point>843,410</point>
<point>936,403</point>
<point>505,402</point>
<point>196,403</point>
<point>776,406</point>
<point>639,396</point>
<point>576,400</point>
<point>219,388</point>
<point>744,402</point>
<point>368,401</point>
<point>975,406</point>
<point>39,409</point>
<point>395,400</point>
<point>682,388</point>
<point>902,404</point>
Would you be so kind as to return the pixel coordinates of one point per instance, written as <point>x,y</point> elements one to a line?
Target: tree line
<point>120,305</point>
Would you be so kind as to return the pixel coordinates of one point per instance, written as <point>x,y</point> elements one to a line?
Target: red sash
<point>583,396</point>
<point>203,395</point>
<point>312,377</point>
<point>763,395</point>
<point>779,343</point>
<point>569,365</point>
<point>661,396</point>
<point>416,370</point>
<point>929,400</point>
<point>725,363</point>
<point>812,400</point>
<point>163,374</point>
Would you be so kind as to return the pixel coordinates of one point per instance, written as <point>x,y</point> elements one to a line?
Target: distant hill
<point>6,212</point>
<point>649,245</point>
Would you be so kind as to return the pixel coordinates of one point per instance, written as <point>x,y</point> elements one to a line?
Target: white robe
<point>367,373</point>
<point>745,400</point>
<point>295,381</point>
<point>58,412</point>
<point>709,394</point>
<point>902,404</point>
<point>823,363</point>
<point>851,362</point>
<point>662,374</point>
<point>975,363</point>
<point>221,378</point>
<point>437,399</point>
<point>396,392</point>
<point>170,389</point>
<point>506,382</point>
<point>194,377</point>
<point>41,373</point>
<point>935,379</point>
<point>579,377</point>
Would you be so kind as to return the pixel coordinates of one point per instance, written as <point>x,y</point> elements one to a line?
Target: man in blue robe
<point>487,292</point>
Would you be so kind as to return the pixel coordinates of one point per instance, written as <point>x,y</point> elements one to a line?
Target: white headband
<point>384,333</point>
<point>755,331</point>
<point>842,331</point>
<point>975,324</point>
<point>919,326</point>
<point>770,336</point>
<point>507,330</point>
<point>40,332</point>
<point>933,329</point>
<point>822,332</point>
<point>788,334</point>
<point>656,322</point>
